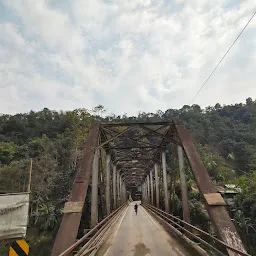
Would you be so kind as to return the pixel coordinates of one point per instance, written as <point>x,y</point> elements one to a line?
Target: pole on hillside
<point>30,175</point>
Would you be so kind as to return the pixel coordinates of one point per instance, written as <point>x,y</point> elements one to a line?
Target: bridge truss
<point>117,157</point>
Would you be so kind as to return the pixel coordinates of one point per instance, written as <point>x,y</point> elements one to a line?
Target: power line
<point>222,59</point>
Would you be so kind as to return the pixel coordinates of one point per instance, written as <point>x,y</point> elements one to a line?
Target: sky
<point>129,56</point>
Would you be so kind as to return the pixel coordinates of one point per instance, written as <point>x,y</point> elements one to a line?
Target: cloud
<point>126,55</point>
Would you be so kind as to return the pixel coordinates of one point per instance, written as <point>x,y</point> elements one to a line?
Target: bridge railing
<point>187,229</point>
<point>93,239</point>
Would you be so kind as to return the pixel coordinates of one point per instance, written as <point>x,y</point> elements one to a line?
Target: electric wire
<point>222,58</point>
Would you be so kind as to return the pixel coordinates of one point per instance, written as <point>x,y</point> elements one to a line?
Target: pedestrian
<point>136,208</point>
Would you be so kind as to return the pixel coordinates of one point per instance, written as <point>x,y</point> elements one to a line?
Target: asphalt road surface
<point>139,235</point>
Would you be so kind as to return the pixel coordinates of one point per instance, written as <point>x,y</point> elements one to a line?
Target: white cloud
<point>127,55</point>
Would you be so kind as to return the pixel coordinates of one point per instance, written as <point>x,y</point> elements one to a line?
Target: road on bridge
<point>139,235</point>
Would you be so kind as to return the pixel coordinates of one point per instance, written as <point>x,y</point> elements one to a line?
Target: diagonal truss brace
<point>114,137</point>
<point>215,205</point>
<point>73,208</point>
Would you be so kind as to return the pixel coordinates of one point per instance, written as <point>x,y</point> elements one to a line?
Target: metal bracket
<point>214,199</point>
<point>73,207</point>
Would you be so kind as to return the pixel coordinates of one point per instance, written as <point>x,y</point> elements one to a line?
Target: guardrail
<point>187,229</point>
<point>92,240</point>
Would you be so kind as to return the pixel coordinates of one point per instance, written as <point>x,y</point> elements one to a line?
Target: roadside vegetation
<point>225,137</point>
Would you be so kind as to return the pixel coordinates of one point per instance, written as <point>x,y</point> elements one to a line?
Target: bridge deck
<point>140,235</point>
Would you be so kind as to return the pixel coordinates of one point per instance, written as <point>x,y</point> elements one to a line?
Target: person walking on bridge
<point>136,208</point>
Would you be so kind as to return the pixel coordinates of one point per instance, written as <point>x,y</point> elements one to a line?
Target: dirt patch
<point>141,250</point>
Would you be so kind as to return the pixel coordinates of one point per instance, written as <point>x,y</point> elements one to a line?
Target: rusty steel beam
<point>129,177</point>
<point>166,195</point>
<point>132,159</point>
<point>151,186</point>
<point>107,191</point>
<point>94,196</point>
<point>215,204</point>
<point>114,137</point>
<point>152,131</point>
<point>73,208</point>
<point>133,124</point>
<point>114,187</point>
<point>135,147</point>
<point>164,136</point>
<point>156,166</point>
<point>183,186</point>
<point>134,140</point>
<point>103,137</point>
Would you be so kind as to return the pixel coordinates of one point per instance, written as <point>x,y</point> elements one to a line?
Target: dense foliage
<point>225,137</point>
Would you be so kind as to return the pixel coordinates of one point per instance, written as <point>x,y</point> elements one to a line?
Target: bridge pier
<point>156,166</point>
<point>166,196</point>
<point>94,200</point>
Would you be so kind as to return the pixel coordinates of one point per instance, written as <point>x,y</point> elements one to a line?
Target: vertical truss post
<point>122,191</point>
<point>166,197</point>
<point>152,187</point>
<point>215,204</point>
<point>114,186</point>
<point>73,208</point>
<point>118,187</point>
<point>148,187</point>
<point>146,191</point>
<point>157,184</point>
<point>94,200</point>
<point>108,184</point>
<point>125,193</point>
<point>102,185</point>
<point>183,185</point>
<point>142,193</point>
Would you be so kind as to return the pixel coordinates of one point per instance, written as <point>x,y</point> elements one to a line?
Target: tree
<point>249,101</point>
<point>99,110</point>
<point>7,150</point>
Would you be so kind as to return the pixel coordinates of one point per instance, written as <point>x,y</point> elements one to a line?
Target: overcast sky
<point>128,55</point>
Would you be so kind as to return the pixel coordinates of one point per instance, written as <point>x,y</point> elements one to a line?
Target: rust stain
<point>232,239</point>
<point>141,250</point>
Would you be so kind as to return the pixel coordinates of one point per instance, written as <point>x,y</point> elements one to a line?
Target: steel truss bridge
<point>119,157</point>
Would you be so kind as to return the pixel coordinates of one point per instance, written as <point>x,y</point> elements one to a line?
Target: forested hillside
<point>225,137</point>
